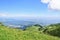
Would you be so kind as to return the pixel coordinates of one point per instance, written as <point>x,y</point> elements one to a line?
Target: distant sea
<point>26,22</point>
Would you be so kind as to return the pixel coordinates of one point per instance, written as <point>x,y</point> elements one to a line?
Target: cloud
<point>52,4</point>
<point>45,1</point>
<point>8,15</point>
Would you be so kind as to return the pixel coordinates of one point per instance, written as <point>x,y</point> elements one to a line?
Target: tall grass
<point>17,34</point>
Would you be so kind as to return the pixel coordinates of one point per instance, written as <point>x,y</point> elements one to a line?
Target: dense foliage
<point>53,29</point>
<point>31,33</point>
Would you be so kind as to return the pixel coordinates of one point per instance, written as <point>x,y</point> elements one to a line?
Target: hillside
<point>53,29</point>
<point>17,34</point>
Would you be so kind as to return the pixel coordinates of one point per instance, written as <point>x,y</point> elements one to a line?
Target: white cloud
<point>8,15</point>
<point>45,1</point>
<point>52,4</point>
<point>4,15</point>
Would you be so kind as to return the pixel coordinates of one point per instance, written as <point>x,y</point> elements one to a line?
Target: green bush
<point>53,29</point>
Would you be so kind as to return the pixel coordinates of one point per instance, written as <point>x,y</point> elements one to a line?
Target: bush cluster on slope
<point>53,29</point>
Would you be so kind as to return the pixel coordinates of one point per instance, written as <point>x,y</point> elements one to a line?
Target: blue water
<point>26,22</point>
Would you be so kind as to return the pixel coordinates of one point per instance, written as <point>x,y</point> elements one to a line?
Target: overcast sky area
<point>30,9</point>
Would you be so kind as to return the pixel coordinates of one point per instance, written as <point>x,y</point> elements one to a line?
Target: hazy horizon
<point>30,10</point>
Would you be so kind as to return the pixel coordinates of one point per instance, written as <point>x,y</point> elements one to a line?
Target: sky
<point>30,8</point>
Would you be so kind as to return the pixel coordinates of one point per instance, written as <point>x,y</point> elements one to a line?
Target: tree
<point>1,24</point>
<point>53,29</point>
<point>38,25</point>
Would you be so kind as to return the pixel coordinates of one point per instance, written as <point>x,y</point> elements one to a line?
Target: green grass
<point>17,34</point>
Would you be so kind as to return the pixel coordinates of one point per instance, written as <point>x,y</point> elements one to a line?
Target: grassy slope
<point>15,34</point>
